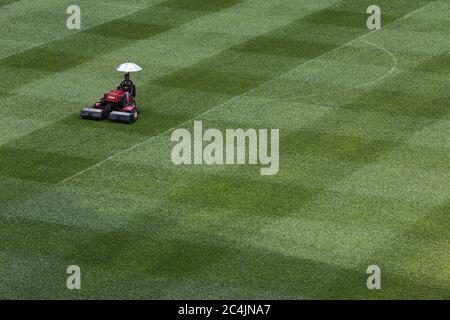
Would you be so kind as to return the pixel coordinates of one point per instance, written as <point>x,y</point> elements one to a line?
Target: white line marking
<point>388,74</point>
<point>231,100</point>
<point>367,84</point>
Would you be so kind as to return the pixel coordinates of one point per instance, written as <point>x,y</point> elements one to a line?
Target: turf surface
<point>365,150</point>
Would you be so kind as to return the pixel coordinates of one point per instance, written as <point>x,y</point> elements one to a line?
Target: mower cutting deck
<point>116,105</point>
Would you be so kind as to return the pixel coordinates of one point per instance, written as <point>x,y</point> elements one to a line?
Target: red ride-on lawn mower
<point>116,105</point>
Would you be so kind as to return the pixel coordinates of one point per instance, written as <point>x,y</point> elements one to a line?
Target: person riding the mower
<point>117,105</point>
<point>128,85</point>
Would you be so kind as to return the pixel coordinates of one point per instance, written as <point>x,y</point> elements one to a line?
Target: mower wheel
<point>135,115</point>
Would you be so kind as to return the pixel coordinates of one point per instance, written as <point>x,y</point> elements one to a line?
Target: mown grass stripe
<point>6,2</point>
<point>39,166</point>
<point>210,5</point>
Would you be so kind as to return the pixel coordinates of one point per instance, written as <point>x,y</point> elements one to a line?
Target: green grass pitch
<point>364,178</point>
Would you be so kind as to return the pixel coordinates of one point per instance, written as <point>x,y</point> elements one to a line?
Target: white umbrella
<point>129,67</point>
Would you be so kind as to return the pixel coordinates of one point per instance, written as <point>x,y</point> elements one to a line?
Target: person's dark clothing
<point>128,85</point>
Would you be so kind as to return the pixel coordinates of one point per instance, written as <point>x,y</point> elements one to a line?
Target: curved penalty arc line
<point>393,69</point>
